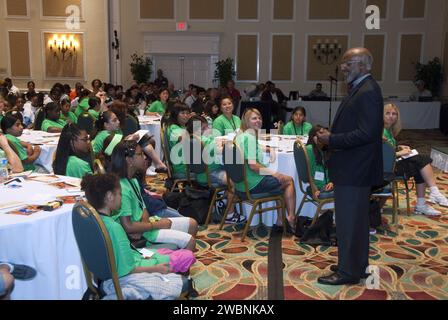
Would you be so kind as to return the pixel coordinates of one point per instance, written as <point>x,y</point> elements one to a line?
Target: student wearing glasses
<point>128,159</point>
<point>73,155</point>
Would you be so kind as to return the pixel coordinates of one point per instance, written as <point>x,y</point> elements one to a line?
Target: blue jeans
<point>168,213</point>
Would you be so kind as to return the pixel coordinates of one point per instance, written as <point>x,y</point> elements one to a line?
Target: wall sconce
<point>326,52</point>
<point>63,47</point>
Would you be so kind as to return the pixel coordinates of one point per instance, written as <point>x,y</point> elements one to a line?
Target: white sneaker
<point>427,211</point>
<point>439,199</point>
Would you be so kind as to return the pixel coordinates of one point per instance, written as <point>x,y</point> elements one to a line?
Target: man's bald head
<point>365,56</point>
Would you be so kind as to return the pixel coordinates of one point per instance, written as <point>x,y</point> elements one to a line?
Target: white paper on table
<point>412,154</point>
<point>141,134</point>
<point>146,253</point>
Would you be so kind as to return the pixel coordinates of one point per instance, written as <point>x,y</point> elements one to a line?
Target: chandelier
<point>63,47</point>
<point>327,52</point>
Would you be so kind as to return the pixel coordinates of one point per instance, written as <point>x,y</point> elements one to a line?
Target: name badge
<point>319,176</point>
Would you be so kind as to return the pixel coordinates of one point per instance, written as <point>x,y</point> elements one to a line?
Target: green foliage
<point>141,68</point>
<point>224,71</point>
<point>432,74</point>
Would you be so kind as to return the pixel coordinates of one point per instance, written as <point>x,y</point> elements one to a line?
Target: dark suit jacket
<point>356,141</point>
<point>266,96</point>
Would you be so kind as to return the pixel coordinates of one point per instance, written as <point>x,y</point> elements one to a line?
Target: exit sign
<point>181,26</point>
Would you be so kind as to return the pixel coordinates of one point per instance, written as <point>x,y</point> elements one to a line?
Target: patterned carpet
<point>413,264</point>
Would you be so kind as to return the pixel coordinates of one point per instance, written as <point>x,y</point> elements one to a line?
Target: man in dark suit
<point>276,97</point>
<point>355,165</point>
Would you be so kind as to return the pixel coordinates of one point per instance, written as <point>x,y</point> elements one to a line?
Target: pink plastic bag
<point>180,260</point>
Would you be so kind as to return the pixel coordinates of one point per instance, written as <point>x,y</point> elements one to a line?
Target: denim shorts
<point>218,177</point>
<point>168,213</point>
<point>269,184</point>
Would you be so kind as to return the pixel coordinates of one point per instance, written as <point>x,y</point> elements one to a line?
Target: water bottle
<point>3,166</point>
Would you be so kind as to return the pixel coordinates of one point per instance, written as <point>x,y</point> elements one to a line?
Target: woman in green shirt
<point>159,107</point>
<point>175,129</point>
<point>107,124</point>
<point>316,152</point>
<point>12,127</point>
<point>260,179</point>
<point>227,122</point>
<point>418,166</point>
<point>128,159</point>
<point>66,114</point>
<point>52,122</point>
<point>297,125</point>
<point>73,155</point>
<point>104,193</point>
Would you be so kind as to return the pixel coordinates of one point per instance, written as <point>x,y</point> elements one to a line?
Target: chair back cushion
<point>131,126</point>
<point>233,162</point>
<point>388,158</point>
<point>86,122</point>
<point>193,155</point>
<point>301,162</point>
<point>93,241</point>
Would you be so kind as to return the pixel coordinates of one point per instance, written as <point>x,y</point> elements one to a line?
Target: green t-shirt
<point>252,152</point>
<point>127,258</point>
<point>225,125</point>
<point>291,129</point>
<point>77,168</point>
<point>174,132</point>
<point>390,137</point>
<point>157,106</point>
<point>47,124</point>
<point>95,114</point>
<point>319,173</point>
<point>70,116</point>
<point>21,152</point>
<point>98,142</point>
<point>132,205</point>
<point>82,107</point>
<point>209,144</point>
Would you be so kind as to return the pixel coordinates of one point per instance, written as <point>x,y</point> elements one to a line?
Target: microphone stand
<point>335,80</point>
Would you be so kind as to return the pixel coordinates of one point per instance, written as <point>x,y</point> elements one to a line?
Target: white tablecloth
<point>414,115</point>
<point>48,143</point>
<point>153,125</point>
<point>45,241</point>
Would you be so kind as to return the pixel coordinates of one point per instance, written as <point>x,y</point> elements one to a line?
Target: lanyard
<point>138,194</point>
<point>233,124</point>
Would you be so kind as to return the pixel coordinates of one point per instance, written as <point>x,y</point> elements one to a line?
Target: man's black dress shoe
<point>277,229</point>
<point>334,268</point>
<point>336,280</point>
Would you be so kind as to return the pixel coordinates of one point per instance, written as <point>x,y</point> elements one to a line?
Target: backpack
<point>322,233</point>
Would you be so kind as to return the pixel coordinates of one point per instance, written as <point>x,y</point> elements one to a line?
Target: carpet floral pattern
<point>413,263</point>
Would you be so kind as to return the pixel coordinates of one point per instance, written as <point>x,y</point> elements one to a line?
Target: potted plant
<point>224,71</point>
<point>432,74</point>
<point>141,68</point>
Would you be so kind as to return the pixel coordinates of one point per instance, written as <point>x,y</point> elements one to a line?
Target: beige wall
<point>133,32</point>
<point>93,25</point>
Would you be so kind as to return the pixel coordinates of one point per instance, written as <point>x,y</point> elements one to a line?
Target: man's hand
<point>324,136</point>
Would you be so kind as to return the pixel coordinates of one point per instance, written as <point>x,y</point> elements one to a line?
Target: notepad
<point>146,253</point>
<point>412,154</point>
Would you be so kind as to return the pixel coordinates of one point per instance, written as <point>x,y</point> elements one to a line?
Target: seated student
<point>418,166</point>
<point>3,107</point>
<point>316,154</point>
<point>108,123</point>
<point>53,122</point>
<point>218,176</point>
<point>12,127</point>
<point>18,105</point>
<point>94,107</point>
<point>297,125</point>
<point>121,111</point>
<point>127,160</point>
<point>14,161</point>
<point>260,179</point>
<point>83,105</point>
<point>73,155</point>
<point>159,107</point>
<point>104,193</point>
<point>211,112</point>
<point>175,129</point>
<point>66,114</point>
<point>227,122</point>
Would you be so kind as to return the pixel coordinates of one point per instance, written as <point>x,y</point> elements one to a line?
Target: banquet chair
<point>306,182</point>
<point>131,126</point>
<point>389,162</point>
<point>39,119</point>
<point>177,179</point>
<point>98,167</point>
<point>236,166</point>
<point>96,249</point>
<point>197,163</point>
